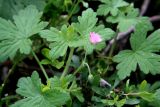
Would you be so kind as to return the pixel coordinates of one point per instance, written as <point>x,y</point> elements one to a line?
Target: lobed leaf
<point>86,24</point>
<point>126,19</point>
<point>111,6</point>
<point>31,89</point>
<point>15,37</point>
<point>8,8</point>
<point>61,40</point>
<point>142,53</point>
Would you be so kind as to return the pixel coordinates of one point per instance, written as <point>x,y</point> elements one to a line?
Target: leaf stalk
<point>68,63</point>
<point>40,65</point>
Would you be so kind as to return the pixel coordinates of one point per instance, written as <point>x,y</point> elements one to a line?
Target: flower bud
<point>90,78</point>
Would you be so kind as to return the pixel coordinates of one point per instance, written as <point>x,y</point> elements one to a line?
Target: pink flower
<point>95,38</point>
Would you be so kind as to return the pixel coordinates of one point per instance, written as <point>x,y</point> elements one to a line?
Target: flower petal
<point>95,38</point>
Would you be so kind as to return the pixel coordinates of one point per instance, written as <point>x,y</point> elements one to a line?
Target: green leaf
<point>96,99</point>
<point>127,19</point>
<point>86,24</point>
<point>76,91</point>
<point>146,96</point>
<point>111,6</point>
<point>141,53</point>
<point>16,36</point>
<point>144,86</point>
<point>116,102</point>
<point>31,89</point>
<point>26,84</point>
<point>139,36</point>
<point>156,101</point>
<point>48,60</point>
<point>79,95</point>
<point>157,94</point>
<point>121,103</point>
<point>127,63</point>
<point>8,8</point>
<point>54,63</point>
<point>155,86</point>
<point>60,40</point>
<point>100,91</point>
<point>132,101</point>
<point>58,3</point>
<point>57,83</point>
<point>108,102</point>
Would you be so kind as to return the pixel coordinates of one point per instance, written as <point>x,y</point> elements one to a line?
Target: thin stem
<point>11,71</point>
<point>85,56</point>
<point>68,63</point>
<point>104,57</point>
<point>83,63</point>
<point>113,45</point>
<point>111,51</point>
<point>131,94</point>
<point>79,68</point>
<point>103,74</point>
<point>71,85</point>
<point>89,70</point>
<point>10,97</point>
<point>71,13</point>
<point>40,65</point>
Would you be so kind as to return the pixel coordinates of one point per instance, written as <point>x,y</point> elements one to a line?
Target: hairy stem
<point>40,65</point>
<point>68,63</point>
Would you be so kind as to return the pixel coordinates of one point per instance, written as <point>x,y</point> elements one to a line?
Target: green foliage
<point>31,88</point>
<point>131,95</point>
<point>146,96</point>
<point>16,36</point>
<point>126,19</point>
<point>144,91</point>
<point>115,101</point>
<point>60,40</point>
<point>156,102</point>
<point>122,13</point>
<point>48,60</point>
<point>62,4</point>
<point>89,77</point>
<point>68,36</point>
<point>56,82</point>
<point>132,101</point>
<point>111,6</point>
<point>55,9</point>
<point>142,52</point>
<point>87,23</point>
<point>74,90</point>
<point>8,8</point>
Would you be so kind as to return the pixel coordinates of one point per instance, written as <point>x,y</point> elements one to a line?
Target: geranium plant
<point>90,56</point>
